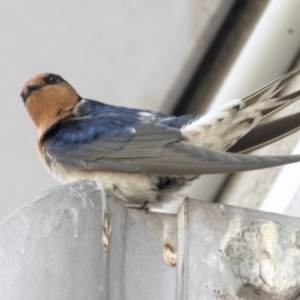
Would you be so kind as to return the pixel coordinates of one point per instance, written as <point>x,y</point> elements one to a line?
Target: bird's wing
<point>127,145</point>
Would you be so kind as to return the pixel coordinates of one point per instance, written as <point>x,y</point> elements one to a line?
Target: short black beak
<point>24,98</point>
<point>30,89</point>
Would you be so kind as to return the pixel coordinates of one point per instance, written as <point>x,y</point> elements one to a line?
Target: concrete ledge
<point>51,248</point>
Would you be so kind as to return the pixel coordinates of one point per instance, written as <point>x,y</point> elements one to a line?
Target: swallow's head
<point>48,99</point>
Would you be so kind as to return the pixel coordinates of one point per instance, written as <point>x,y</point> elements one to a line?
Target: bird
<point>145,158</point>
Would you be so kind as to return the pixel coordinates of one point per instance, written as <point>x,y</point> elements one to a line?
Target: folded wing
<point>115,145</point>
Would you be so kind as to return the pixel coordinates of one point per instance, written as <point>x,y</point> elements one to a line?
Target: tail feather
<point>221,129</point>
<point>274,105</point>
<point>267,133</point>
<point>271,89</point>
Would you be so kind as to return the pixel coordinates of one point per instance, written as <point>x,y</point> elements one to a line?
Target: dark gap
<point>223,187</point>
<point>213,51</point>
<point>294,63</point>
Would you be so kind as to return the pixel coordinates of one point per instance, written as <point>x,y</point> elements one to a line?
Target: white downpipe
<point>268,53</point>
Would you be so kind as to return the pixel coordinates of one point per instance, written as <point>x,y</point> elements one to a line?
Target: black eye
<point>53,79</point>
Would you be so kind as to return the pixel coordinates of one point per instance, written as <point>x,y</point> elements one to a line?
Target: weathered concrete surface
<point>51,248</point>
<point>266,256</point>
<point>207,271</point>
